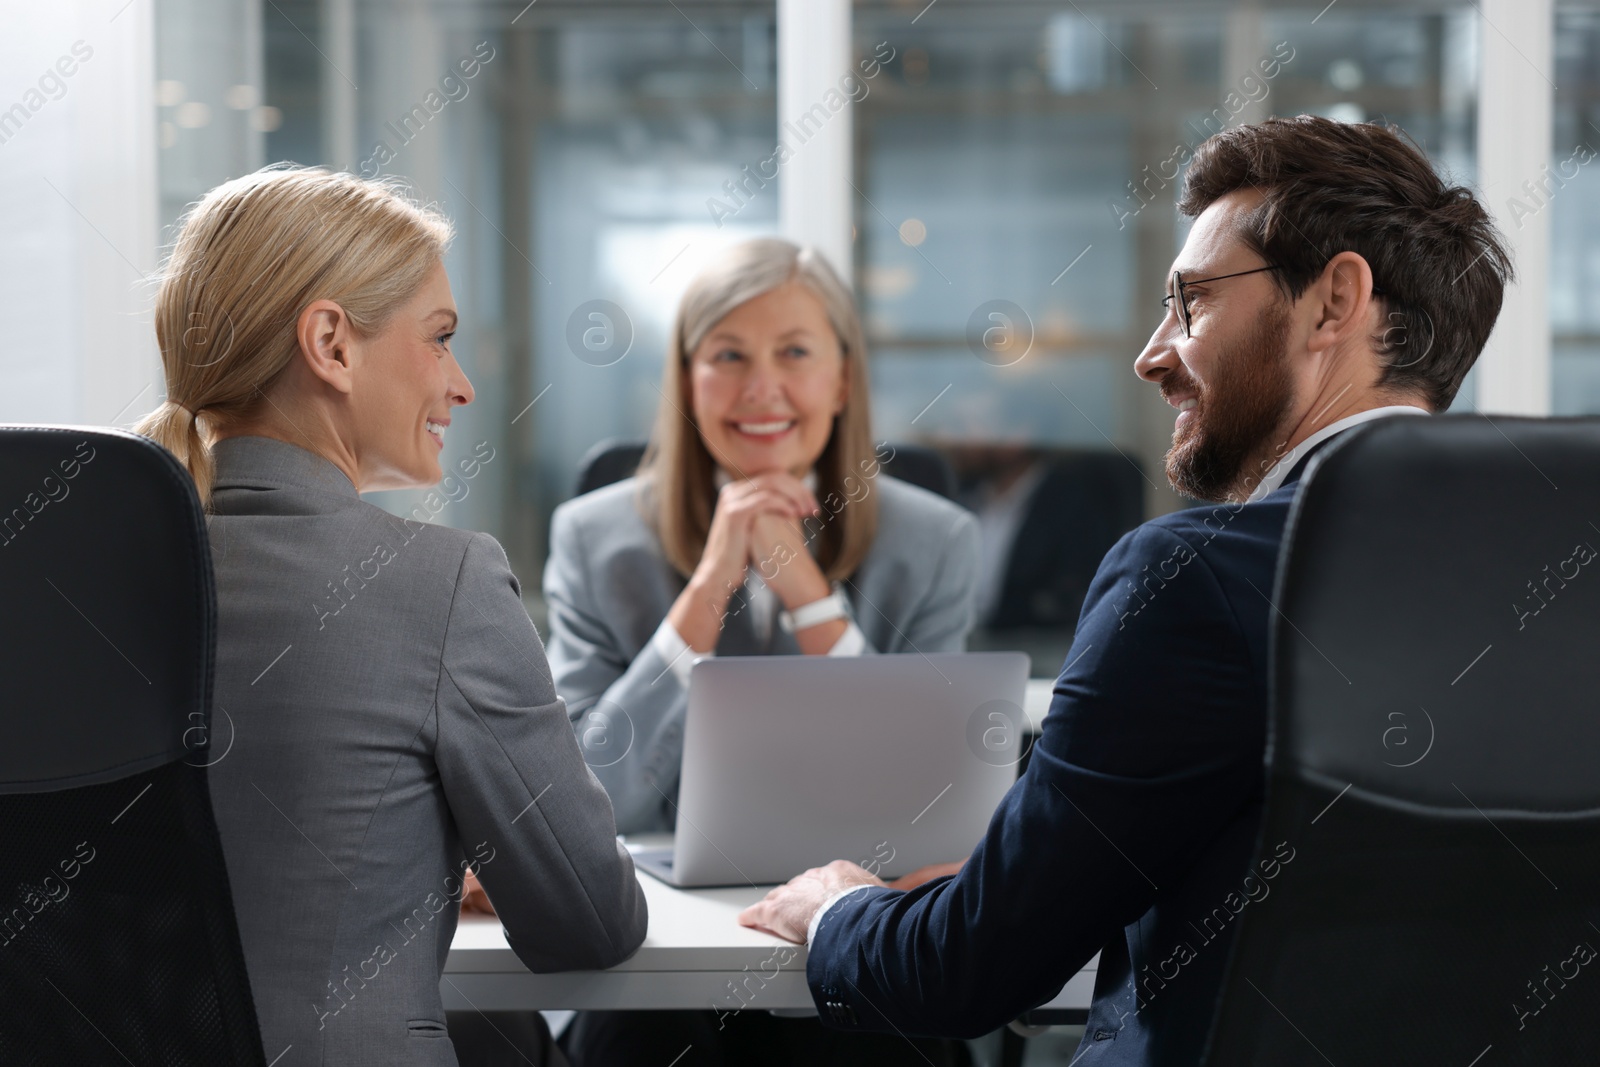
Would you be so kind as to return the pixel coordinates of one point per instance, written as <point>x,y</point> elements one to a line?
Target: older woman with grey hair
<point>760,523</point>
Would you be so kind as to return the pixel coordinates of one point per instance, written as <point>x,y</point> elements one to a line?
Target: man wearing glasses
<point>1330,278</point>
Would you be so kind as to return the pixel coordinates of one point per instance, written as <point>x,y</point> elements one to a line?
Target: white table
<point>692,951</point>
<point>1036,700</point>
<point>694,956</point>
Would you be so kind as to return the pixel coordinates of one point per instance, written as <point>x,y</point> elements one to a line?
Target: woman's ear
<point>326,341</point>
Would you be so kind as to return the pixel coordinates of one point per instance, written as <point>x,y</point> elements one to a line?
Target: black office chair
<point>1434,763</point>
<point>615,458</point>
<point>117,935</point>
<point>1085,502</point>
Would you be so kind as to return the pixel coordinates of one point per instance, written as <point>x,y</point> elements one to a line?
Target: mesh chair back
<point>1427,883</point>
<point>117,935</point>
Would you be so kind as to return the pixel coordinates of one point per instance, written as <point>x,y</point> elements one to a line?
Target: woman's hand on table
<point>473,899</point>
<point>926,874</point>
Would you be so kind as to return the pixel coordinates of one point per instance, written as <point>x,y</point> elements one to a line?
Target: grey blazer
<point>609,587</point>
<point>383,716</point>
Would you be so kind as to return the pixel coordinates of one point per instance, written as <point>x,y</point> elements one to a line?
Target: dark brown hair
<point>1437,261</point>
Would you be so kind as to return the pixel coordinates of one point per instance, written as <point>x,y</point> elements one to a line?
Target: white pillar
<point>78,179</point>
<point>815,200</point>
<point>340,149</point>
<point>1515,101</point>
<point>1244,42</point>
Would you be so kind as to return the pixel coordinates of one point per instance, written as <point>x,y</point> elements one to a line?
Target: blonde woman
<point>759,524</point>
<point>393,720</point>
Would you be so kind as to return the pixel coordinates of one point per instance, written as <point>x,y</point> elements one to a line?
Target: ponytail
<point>177,429</point>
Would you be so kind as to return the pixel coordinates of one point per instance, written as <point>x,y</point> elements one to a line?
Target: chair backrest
<point>1427,883</point>
<point>614,459</point>
<point>117,934</point>
<point>1082,504</point>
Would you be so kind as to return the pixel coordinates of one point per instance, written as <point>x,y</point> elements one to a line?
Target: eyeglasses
<point>1180,286</point>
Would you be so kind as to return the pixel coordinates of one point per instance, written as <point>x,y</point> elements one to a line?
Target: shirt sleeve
<point>680,658</point>
<point>851,643</point>
<point>675,651</point>
<point>816,920</point>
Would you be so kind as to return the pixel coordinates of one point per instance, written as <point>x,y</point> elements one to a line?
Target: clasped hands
<point>756,524</point>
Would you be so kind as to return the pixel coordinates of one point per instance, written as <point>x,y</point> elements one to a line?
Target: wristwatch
<point>815,613</point>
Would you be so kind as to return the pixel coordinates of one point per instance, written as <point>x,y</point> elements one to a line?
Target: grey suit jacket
<point>383,716</point>
<point>609,586</point>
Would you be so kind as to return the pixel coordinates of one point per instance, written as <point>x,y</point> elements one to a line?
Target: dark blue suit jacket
<point>1131,832</point>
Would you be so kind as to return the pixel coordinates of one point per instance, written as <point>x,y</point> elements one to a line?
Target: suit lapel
<point>738,636</point>
<point>741,634</point>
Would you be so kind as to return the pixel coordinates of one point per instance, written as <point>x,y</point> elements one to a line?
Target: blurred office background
<point>998,188</point>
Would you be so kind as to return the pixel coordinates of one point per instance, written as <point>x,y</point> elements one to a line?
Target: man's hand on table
<point>786,911</point>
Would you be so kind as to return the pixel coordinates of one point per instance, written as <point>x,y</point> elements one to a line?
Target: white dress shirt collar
<point>1281,470</point>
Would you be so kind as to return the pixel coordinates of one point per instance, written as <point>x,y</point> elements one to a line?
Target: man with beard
<point>1330,278</point>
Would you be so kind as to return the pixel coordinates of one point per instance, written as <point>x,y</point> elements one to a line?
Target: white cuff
<point>811,930</point>
<point>671,647</point>
<point>851,643</point>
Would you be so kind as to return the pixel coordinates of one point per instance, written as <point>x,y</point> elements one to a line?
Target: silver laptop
<point>789,762</point>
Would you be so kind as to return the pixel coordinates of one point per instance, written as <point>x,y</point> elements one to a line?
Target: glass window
<point>1572,189</point>
<point>1016,174</point>
<point>577,153</point>
<point>1015,170</point>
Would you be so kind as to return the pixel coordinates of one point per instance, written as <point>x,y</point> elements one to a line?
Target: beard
<point>1243,405</point>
